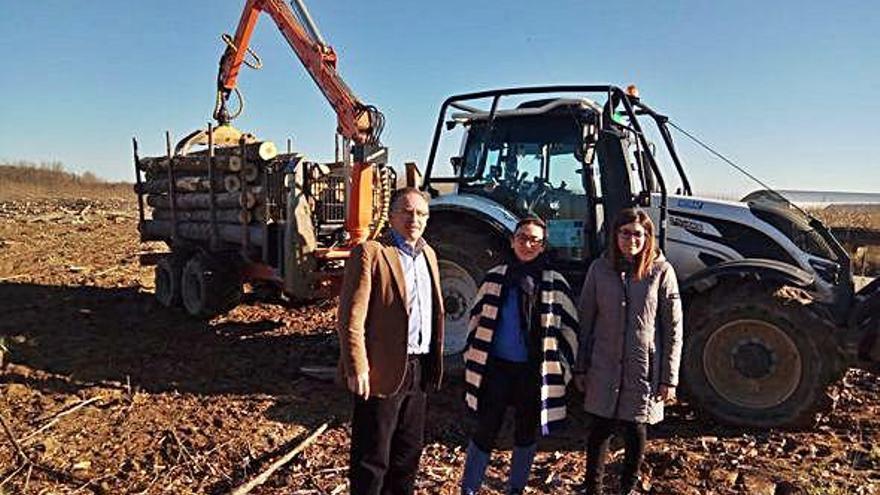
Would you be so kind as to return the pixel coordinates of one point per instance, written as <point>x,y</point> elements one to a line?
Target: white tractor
<point>771,314</point>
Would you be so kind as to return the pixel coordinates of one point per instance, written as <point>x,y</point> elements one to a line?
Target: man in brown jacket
<point>390,326</point>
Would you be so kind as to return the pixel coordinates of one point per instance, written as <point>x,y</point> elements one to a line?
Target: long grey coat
<point>630,340</point>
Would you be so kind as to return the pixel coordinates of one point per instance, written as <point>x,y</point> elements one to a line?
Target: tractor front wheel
<point>753,358</point>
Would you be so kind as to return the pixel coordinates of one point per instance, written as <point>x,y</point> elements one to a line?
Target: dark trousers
<point>634,439</point>
<point>387,436</point>
<point>508,384</point>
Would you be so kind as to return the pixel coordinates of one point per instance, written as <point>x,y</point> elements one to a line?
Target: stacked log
<point>231,215</point>
<point>193,183</point>
<point>157,167</point>
<point>231,159</point>
<point>235,194</point>
<point>161,229</point>
<point>202,201</point>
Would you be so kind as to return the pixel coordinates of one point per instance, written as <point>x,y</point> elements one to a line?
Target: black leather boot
<point>628,485</point>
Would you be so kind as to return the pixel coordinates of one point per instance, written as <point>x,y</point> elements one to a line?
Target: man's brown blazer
<point>373,319</point>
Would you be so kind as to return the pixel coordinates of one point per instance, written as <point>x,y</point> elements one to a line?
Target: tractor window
<point>532,168</point>
<point>565,169</point>
<point>530,165</point>
<point>525,144</point>
<point>513,162</point>
<point>529,160</point>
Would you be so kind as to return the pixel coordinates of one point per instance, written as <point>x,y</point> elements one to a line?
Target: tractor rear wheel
<point>752,359</point>
<point>209,286</point>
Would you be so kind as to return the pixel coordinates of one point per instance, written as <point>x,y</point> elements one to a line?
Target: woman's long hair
<point>645,258</point>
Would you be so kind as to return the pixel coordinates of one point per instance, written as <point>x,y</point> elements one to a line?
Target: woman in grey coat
<point>630,344</point>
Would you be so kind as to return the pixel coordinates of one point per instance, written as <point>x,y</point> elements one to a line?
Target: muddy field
<point>105,392</point>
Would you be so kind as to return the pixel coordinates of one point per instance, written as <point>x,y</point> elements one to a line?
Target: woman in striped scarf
<point>521,345</point>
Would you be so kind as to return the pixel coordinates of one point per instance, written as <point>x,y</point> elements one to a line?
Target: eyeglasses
<point>631,234</point>
<point>528,239</point>
<point>410,213</point>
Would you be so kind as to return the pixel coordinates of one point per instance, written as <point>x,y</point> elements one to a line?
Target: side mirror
<point>456,162</point>
<point>644,199</point>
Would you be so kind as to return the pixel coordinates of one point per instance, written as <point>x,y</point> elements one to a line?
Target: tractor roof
<point>535,107</point>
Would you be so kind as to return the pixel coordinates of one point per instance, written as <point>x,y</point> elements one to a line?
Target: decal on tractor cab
<point>686,224</point>
<point>693,204</point>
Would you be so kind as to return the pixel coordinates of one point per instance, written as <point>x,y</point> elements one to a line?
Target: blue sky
<point>788,88</point>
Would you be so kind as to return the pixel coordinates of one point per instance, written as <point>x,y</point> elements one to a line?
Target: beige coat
<point>630,340</point>
<point>373,319</point>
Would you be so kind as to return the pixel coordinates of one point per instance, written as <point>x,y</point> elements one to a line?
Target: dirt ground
<point>108,393</point>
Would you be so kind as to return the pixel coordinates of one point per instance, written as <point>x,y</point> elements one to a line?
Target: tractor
<point>771,314</point>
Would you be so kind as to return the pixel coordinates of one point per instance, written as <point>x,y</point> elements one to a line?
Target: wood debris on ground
<point>167,404</point>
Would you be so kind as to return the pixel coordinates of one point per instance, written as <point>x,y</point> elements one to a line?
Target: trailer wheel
<point>465,252</point>
<point>209,286</point>
<point>750,359</point>
<point>167,279</point>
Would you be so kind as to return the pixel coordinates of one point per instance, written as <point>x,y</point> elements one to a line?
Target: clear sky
<point>787,88</point>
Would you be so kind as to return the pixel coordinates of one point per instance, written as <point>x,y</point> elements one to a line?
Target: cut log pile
<point>180,189</point>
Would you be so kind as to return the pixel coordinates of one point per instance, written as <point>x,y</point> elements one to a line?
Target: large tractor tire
<point>464,254</point>
<point>209,286</point>
<point>167,280</point>
<point>752,358</point>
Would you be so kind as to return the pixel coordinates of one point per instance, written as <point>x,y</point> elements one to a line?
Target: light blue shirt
<point>418,293</point>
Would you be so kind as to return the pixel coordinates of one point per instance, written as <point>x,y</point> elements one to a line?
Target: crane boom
<point>358,123</point>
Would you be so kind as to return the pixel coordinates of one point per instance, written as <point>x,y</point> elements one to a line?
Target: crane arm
<point>356,121</point>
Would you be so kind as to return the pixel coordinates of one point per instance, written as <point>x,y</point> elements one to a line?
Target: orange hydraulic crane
<point>359,124</point>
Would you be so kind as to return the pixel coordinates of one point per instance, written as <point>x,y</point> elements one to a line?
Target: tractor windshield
<point>518,145</point>
<point>527,163</point>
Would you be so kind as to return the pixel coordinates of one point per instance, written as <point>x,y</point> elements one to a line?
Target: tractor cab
<point>555,158</point>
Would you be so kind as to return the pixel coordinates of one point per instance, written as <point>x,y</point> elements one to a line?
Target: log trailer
<point>233,210</point>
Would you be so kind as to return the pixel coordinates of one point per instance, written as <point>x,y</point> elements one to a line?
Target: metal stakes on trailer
<point>172,187</point>
<point>268,203</point>
<point>137,178</point>
<point>245,188</point>
<point>212,200</point>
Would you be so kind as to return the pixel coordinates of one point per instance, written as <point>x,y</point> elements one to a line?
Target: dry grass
<point>850,216</point>
<point>866,259</point>
<point>27,180</point>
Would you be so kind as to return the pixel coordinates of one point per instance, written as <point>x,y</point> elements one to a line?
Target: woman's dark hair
<point>508,251</point>
<point>642,261</point>
<point>532,221</point>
